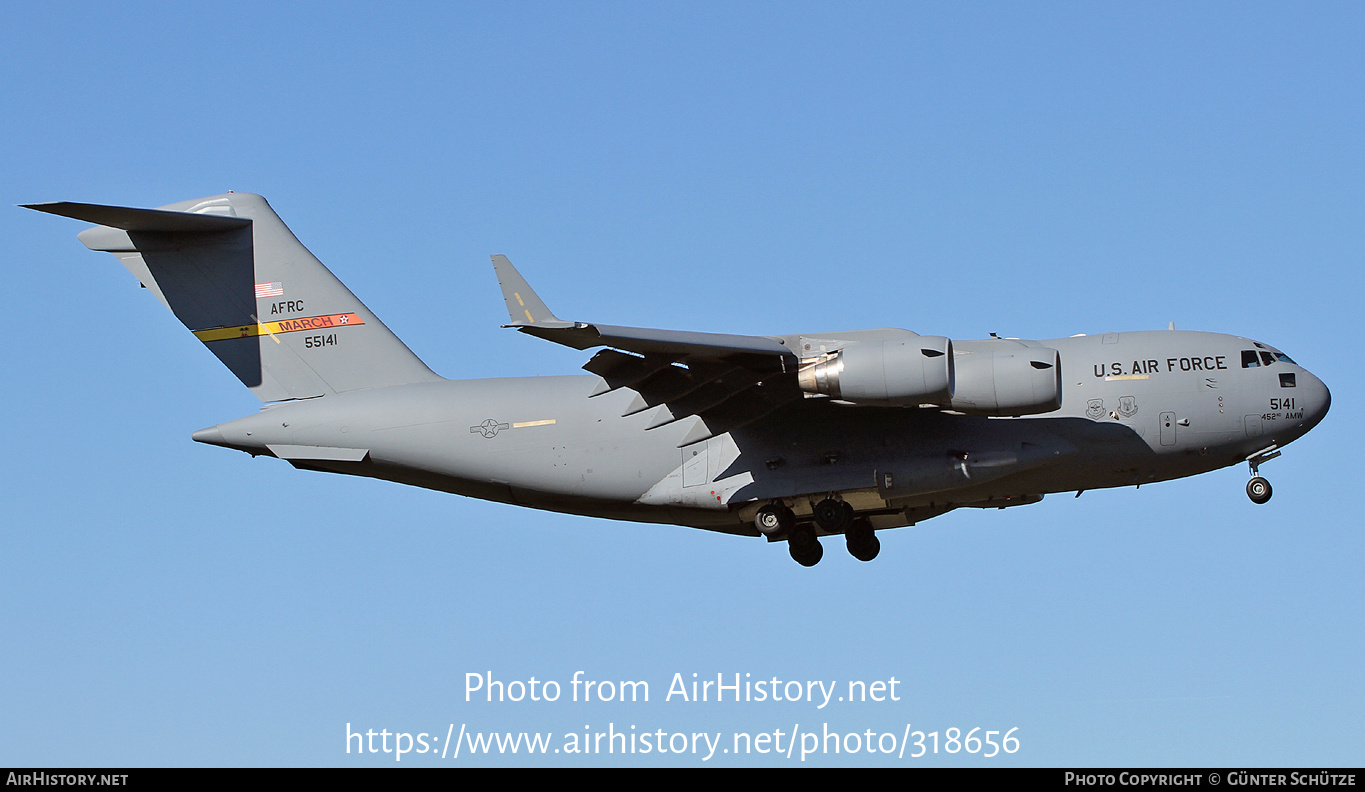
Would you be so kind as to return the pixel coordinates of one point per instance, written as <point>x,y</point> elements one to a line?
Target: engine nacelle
<point>1006,378</point>
<point>902,371</point>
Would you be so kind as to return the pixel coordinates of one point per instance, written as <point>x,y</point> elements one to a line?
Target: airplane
<point>785,437</point>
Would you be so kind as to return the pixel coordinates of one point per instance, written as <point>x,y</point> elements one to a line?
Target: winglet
<point>524,306</point>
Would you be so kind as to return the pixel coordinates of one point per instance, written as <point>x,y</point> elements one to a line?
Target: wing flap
<point>621,369</point>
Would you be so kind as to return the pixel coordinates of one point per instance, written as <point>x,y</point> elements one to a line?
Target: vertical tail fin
<point>239,279</point>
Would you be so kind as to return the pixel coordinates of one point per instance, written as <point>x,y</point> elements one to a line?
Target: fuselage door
<point>694,465</point>
<point>1168,428</point>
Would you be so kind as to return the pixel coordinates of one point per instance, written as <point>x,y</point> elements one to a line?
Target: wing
<point>724,380</point>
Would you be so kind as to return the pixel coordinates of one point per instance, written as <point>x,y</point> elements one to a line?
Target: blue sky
<point>1035,170</point>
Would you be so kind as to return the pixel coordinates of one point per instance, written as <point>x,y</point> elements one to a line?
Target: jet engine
<point>1006,378</point>
<point>890,371</point>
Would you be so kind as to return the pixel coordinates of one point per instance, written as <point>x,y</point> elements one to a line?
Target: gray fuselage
<point>1136,407</point>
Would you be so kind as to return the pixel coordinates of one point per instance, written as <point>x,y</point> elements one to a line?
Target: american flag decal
<point>275,289</point>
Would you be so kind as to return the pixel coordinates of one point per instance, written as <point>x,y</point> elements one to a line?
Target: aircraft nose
<point>212,435</point>
<point>1317,399</point>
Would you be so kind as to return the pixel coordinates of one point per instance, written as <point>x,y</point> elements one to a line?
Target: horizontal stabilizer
<point>236,277</point>
<point>132,219</point>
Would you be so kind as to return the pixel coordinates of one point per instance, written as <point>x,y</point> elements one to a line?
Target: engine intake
<point>998,379</point>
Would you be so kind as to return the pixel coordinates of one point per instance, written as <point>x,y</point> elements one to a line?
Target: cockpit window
<point>1267,358</point>
<point>1283,358</point>
<point>1249,359</point>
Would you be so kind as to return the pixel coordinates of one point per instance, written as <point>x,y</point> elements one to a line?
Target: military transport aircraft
<point>788,437</point>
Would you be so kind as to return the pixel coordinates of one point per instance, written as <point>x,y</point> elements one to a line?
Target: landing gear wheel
<point>833,516</point>
<point>774,519</point>
<point>803,545</point>
<point>1258,489</point>
<point>866,551</point>
<point>862,543</point>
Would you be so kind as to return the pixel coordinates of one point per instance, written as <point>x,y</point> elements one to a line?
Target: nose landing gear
<point>1258,489</point>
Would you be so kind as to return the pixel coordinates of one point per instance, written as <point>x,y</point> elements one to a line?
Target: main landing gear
<point>804,546</point>
<point>830,516</point>
<point>833,516</point>
<point>862,541</point>
<point>1258,489</point>
<point>774,520</point>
